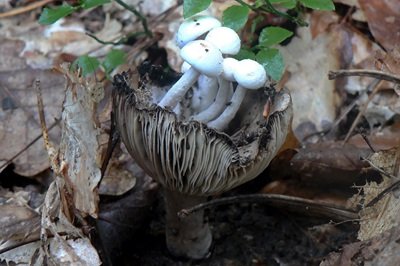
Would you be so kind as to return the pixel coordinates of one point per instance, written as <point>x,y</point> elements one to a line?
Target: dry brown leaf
<point>18,113</point>
<point>383,18</point>
<point>380,139</point>
<point>380,250</point>
<point>385,214</point>
<point>79,148</point>
<point>315,99</point>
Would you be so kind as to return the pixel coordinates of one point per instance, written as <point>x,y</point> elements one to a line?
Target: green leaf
<point>49,16</point>
<point>273,35</point>
<point>318,4</point>
<point>245,53</point>
<point>113,59</point>
<point>272,61</point>
<point>289,4</point>
<point>192,7</point>
<point>235,17</point>
<point>87,63</point>
<point>86,4</point>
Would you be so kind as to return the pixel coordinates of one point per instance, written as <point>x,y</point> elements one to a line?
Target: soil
<point>245,234</point>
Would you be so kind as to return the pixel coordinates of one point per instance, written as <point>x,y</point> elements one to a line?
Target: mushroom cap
<point>204,57</point>
<point>228,68</point>
<point>193,27</point>
<point>226,39</point>
<point>189,157</point>
<point>250,74</point>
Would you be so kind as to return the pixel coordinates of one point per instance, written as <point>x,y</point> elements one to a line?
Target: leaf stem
<point>138,14</point>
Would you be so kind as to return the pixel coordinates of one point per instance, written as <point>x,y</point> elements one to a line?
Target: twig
<point>123,40</point>
<point>24,9</point>
<point>365,138</point>
<point>49,148</point>
<point>287,201</point>
<point>362,72</point>
<point>269,8</point>
<point>29,144</point>
<point>391,188</point>
<point>375,90</point>
<point>138,14</point>
<point>113,140</point>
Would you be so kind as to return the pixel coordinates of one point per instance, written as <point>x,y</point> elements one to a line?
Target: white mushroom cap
<point>250,74</point>
<point>226,39</point>
<point>194,27</point>
<point>204,57</point>
<point>229,65</point>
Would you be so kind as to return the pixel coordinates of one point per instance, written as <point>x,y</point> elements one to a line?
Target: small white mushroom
<point>225,39</point>
<point>228,42</point>
<point>193,27</point>
<point>204,93</point>
<point>223,95</point>
<point>249,74</point>
<point>204,58</point>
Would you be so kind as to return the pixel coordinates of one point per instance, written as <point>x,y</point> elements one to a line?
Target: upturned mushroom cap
<point>225,39</point>
<point>250,74</point>
<point>193,27</point>
<point>204,57</point>
<point>189,157</point>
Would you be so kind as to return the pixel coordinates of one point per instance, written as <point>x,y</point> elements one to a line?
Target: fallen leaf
<point>315,99</point>
<point>383,18</point>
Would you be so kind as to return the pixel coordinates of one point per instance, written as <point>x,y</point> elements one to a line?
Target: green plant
<point>87,63</point>
<point>265,51</point>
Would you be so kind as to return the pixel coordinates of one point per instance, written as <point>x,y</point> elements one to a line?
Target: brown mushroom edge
<point>192,161</point>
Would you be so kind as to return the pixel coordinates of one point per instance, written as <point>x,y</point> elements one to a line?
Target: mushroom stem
<point>178,90</point>
<point>205,93</point>
<point>215,109</point>
<point>189,237</point>
<point>223,120</point>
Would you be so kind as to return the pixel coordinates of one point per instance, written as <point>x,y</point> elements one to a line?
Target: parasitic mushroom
<point>250,75</point>
<point>192,161</point>
<point>204,58</point>
<point>194,27</point>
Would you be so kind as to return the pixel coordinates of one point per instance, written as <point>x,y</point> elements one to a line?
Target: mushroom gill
<point>190,160</point>
<point>188,157</point>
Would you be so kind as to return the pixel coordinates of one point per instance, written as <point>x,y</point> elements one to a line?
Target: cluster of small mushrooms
<point>214,129</point>
<point>213,101</point>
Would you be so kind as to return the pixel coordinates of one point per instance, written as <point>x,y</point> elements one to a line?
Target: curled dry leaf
<point>385,214</point>
<point>79,147</point>
<point>19,221</point>
<point>382,249</point>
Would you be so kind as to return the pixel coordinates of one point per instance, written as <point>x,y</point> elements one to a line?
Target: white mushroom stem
<point>227,115</point>
<point>216,108</point>
<point>205,93</point>
<point>178,90</point>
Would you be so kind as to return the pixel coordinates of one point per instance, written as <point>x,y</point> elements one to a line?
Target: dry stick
<point>29,116</point>
<point>391,188</point>
<point>366,73</point>
<point>29,144</point>
<point>49,147</point>
<point>24,9</point>
<point>375,90</point>
<point>331,211</point>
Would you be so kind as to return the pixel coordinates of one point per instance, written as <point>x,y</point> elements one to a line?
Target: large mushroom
<point>192,161</point>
